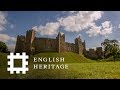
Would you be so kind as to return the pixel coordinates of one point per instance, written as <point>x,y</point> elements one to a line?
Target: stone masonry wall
<point>32,44</point>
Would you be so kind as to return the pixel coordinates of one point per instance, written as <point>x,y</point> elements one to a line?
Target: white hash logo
<point>23,69</point>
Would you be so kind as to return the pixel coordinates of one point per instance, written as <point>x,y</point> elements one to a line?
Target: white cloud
<point>5,38</point>
<point>94,31</point>
<point>3,20</point>
<point>104,29</point>
<point>11,47</point>
<point>13,39</point>
<point>73,12</point>
<point>119,26</point>
<point>79,20</point>
<point>61,33</point>
<point>10,41</point>
<point>49,29</point>
<point>76,21</point>
<point>35,28</point>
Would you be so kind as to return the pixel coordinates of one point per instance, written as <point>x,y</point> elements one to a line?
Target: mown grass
<point>3,67</point>
<point>97,70</point>
<point>79,68</point>
<point>68,56</point>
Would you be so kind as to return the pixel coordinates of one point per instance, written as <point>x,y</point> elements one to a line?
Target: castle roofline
<point>61,33</point>
<point>30,30</point>
<point>78,37</point>
<point>20,35</point>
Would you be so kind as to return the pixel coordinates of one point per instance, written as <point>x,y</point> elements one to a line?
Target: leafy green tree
<point>3,47</point>
<point>111,48</point>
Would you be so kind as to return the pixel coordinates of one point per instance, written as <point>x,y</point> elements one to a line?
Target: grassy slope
<point>68,56</point>
<point>98,70</point>
<point>79,68</point>
<point>3,67</point>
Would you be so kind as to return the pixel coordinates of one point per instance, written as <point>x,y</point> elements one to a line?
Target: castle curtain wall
<point>32,45</point>
<point>45,45</point>
<point>69,47</point>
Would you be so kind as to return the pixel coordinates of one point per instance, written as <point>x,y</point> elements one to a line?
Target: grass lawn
<point>79,68</point>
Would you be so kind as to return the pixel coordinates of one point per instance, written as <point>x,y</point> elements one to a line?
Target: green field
<point>79,68</point>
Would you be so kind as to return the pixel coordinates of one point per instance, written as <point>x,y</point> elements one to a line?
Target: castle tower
<point>99,52</point>
<point>30,36</point>
<point>20,44</point>
<point>32,45</point>
<point>84,47</point>
<point>61,42</point>
<point>79,45</point>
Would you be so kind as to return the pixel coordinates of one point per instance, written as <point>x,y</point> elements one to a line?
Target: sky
<point>91,26</point>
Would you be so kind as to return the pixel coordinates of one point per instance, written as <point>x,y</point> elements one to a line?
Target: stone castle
<point>94,53</point>
<point>33,45</point>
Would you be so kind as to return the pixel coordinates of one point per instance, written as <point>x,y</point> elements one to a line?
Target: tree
<point>111,48</point>
<point>3,47</point>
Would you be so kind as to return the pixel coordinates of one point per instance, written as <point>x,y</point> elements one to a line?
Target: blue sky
<point>92,26</point>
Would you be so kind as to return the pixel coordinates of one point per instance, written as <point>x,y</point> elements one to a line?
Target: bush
<point>3,47</point>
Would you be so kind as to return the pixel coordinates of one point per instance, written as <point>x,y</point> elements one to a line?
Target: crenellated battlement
<point>20,37</point>
<point>94,53</point>
<point>32,45</point>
